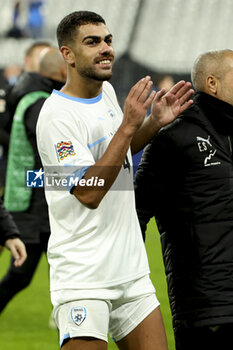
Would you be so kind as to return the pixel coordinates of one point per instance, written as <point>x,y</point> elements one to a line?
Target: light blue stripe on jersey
<point>97,142</point>
<point>66,336</point>
<point>78,99</point>
<point>78,173</point>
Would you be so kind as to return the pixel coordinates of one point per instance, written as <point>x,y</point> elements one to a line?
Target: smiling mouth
<point>104,61</point>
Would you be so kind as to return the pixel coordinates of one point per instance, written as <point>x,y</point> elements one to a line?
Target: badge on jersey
<point>78,314</point>
<point>65,149</point>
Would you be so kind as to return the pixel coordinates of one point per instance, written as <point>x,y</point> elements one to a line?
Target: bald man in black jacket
<point>185,181</point>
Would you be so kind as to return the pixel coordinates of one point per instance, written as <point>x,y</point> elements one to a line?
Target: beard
<point>90,73</point>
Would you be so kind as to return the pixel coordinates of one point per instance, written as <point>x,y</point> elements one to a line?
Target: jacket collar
<point>218,112</point>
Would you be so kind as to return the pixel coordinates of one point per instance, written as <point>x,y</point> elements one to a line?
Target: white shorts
<point>127,306</point>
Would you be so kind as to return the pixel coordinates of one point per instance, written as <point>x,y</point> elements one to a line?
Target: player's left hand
<point>17,249</point>
<point>166,106</point>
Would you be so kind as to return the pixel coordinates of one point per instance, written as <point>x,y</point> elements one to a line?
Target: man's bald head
<point>210,63</point>
<point>52,64</point>
<point>212,73</point>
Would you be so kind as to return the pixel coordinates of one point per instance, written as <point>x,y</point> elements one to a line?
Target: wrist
<point>154,123</point>
<point>127,131</point>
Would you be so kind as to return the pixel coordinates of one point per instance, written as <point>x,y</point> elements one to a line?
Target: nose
<point>105,47</point>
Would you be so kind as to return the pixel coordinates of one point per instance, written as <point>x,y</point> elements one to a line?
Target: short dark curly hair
<point>67,28</point>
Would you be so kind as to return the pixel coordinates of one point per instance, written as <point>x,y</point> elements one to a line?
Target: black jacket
<point>185,180</point>
<point>8,228</point>
<point>33,222</point>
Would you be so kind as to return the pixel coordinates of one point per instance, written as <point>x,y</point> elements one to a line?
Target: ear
<point>68,54</point>
<point>212,84</point>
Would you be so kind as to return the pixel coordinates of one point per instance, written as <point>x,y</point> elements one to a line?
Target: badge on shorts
<point>78,314</point>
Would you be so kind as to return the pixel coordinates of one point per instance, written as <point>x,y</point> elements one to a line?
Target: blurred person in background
<point>185,180</point>
<point>31,66</point>
<point>28,206</point>
<point>99,272</point>
<point>10,75</point>
<point>35,23</point>
<point>15,31</point>
<point>32,55</point>
<point>10,237</point>
<point>11,95</point>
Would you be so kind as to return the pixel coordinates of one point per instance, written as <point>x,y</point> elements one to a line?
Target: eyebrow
<point>96,37</point>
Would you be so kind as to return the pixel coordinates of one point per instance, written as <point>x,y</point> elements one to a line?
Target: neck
<point>82,87</point>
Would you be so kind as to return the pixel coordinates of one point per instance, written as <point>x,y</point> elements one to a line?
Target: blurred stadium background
<point>150,37</point>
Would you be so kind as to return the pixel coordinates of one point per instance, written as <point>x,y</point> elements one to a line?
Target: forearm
<point>105,169</point>
<point>141,138</point>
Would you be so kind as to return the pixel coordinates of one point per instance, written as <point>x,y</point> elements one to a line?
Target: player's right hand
<point>136,105</point>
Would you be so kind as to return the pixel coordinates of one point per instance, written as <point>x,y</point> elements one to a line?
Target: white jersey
<point>88,248</point>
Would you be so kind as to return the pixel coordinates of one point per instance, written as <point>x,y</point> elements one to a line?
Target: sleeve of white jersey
<point>63,147</point>
<point>60,142</point>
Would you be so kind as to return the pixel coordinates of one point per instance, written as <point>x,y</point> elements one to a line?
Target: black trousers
<point>19,278</point>
<point>217,337</point>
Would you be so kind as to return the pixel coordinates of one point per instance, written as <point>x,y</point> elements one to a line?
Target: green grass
<point>24,322</point>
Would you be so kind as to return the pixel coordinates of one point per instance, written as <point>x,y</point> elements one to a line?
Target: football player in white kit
<point>99,271</point>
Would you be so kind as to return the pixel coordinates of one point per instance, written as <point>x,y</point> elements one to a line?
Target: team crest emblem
<point>111,113</point>
<point>78,314</point>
